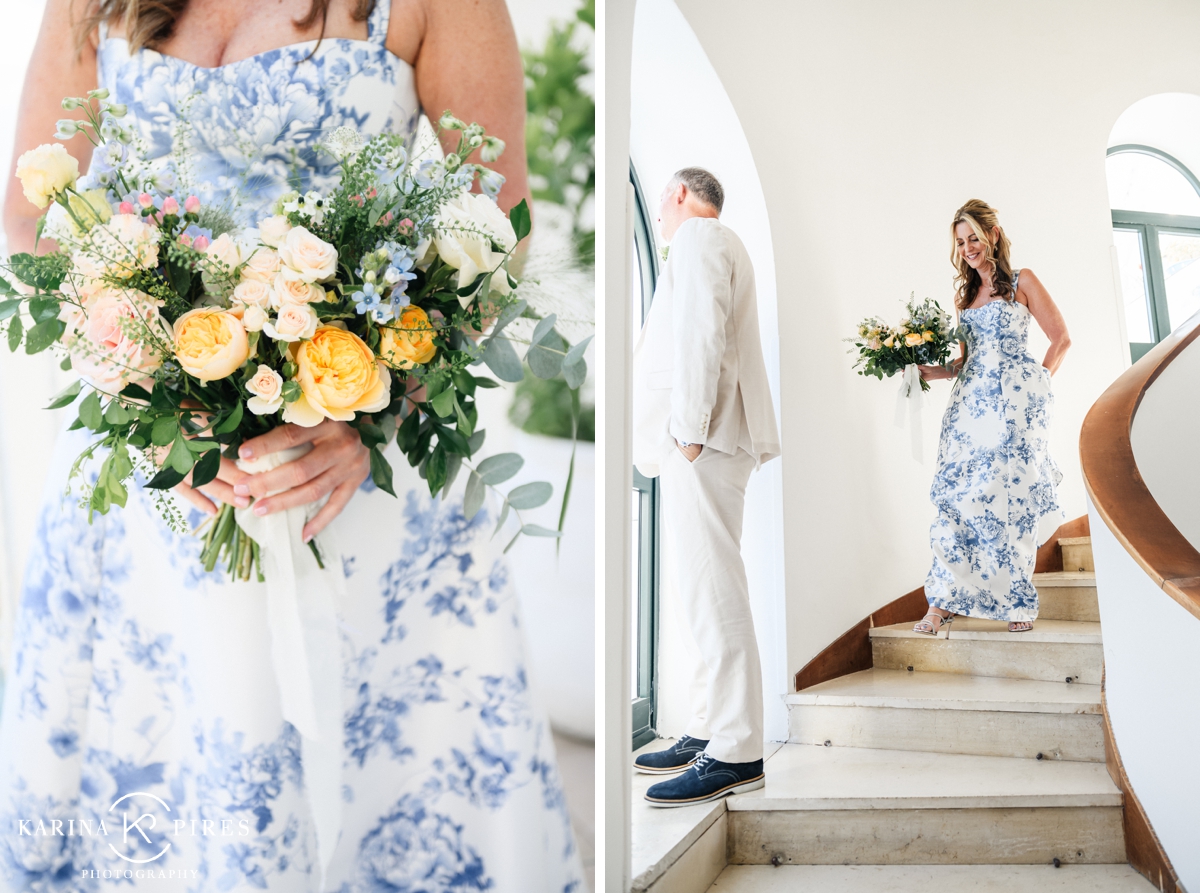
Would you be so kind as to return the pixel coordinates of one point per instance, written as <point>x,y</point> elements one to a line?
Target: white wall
<point>870,123</point>
<point>681,116</point>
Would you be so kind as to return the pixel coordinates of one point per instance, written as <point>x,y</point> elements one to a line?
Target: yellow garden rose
<point>338,376</point>
<point>210,344</point>
<point>912,339</point>
<point>889,341</point>
<point>46,171</point>
<point>410,342</point>
<point>928,336</point>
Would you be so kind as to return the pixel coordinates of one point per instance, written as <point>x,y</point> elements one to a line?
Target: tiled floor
<point>577,763</point>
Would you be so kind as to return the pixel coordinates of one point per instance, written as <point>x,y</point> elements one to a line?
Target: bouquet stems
<point>226,542</point>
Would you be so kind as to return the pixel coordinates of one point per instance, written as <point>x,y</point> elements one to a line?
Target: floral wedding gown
<point>994,487</point>
<point>137,675</point>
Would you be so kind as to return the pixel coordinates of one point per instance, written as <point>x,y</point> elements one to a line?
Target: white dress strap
<point>377,22</point>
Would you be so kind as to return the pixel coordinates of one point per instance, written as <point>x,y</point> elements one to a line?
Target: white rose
<point>273,230</point>
<point>253,292</point>
<point>267,387</point>
<point>294,323</point>
<point>225,250</point>
<point>459,243</point>
<point>46,171</point>
<point>254,318</point>
<point>119,248</point>
<point>262,265</point>
<point>295,291</point>
<point>307,257</point>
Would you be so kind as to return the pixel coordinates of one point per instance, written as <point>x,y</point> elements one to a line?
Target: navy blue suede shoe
<point>707,779</point>
<point>675,758</point>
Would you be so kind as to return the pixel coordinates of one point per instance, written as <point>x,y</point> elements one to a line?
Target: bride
<point>142,686</point>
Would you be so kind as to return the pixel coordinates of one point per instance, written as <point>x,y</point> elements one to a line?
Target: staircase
<point>975,757</point>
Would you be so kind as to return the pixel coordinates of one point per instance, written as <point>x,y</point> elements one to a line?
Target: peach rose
<point>210,344</point>
<point>114,341</point>
<point>295,291</point>
<point>294,322</point>
<point>253,292</point>
<point>409,343</point>
<point>267,387</point>
<point>338,377</point>
<point>273,230</point>
<point>262,265</point>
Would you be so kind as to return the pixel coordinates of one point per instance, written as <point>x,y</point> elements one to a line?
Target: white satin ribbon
<point>302,616</point>
<point>912,397</point>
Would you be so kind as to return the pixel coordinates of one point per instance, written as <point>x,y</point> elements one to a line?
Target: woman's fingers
<point>341,496</point>
<point>298,496</point>
<point>196,498</point>
<point>219,490</point>
<point>231,474</point>
<point>292,474</point>
<point>280,438</point>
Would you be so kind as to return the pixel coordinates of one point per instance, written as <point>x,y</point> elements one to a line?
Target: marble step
<point>951,713</point>
<point>1053,651</point>
<point>1067,595</point>
<point>930,879</point>
<point>1077,553</point>
<point>857,806</point>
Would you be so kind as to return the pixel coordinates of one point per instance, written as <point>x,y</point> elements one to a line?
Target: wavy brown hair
<point>982,219</point>
<point>148,23</point>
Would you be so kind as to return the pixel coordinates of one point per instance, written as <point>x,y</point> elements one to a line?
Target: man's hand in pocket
<point>691,452</point>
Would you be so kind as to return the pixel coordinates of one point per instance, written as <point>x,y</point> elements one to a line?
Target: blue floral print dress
<point>141,742</point>
<point>994,487</point>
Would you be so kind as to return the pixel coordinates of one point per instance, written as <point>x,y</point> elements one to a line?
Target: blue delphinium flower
<point>430,174</point>
<point>366,298</point>
<point>490,181</point>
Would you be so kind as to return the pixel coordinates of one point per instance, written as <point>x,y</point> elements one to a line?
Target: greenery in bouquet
<point>374,303</point>
<point>925,336</point>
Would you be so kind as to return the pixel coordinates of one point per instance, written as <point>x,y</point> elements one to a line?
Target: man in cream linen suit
<point>702,422</point>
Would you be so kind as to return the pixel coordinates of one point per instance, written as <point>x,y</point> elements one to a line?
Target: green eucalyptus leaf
<point>536,530</point>
<point>9,307</point>
<point>530,496</point>
<point>15,328</point>
<point>473,498</point>
<point>545,324</point>
<point>499,468</point>
<point>500,357</point>
<point>574,366</point>
<point>453,466</point>
<point>475,441</point>
<point>508,314</point>
<point>504,510</point>
<point>545,358</point>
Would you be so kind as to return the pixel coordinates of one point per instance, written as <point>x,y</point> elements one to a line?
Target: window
<point>1155,204</point>
<point>645,503</point>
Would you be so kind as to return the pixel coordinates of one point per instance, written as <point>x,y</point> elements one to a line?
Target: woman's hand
<point>934,373</point>
<point>336,465</point>
<point>220,489</point>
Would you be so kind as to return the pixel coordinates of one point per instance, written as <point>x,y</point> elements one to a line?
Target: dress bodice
<point>241,134</point>
<point>998,332</point>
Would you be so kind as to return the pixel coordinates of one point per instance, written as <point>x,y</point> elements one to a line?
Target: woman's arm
<point>468,62</point>
<point>933,373</point>
<point>56,69</point>
<point>1048,316</point>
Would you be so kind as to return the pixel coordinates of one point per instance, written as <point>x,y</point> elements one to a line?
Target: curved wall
<point>870,123</point>
<point>681,116</point>
<point>1151,642</point>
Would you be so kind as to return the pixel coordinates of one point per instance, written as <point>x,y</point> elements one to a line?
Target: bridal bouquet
<point>372,303</point>
<point>925,337</point>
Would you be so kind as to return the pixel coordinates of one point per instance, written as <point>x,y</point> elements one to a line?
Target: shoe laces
<point>702,762</point>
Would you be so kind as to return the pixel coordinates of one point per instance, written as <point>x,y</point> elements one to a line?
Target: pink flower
<point>385,219</point>
<point>371,193</point>
<point>125,208</point>
<point>405,226</point>
<point>201,243</point>
<point>170,205</point>
<point>185,239</point>
<point>192,204</point>
<point>112,345</point>
<point>146,200</point>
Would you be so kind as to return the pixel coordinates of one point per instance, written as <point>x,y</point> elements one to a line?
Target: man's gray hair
<point>703,185</point>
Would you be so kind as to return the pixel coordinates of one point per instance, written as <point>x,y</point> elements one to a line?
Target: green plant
<point>560,130</point>
<point>545,406</point>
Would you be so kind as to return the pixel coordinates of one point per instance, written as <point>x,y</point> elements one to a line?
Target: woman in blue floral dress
<point>994,487</point>
<point>141,741</point>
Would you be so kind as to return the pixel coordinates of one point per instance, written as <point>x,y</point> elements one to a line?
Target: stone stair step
<point>858,806</point>
<point>1067,595</point>
<point>951,713</point>
<point>1077,553</point>
<point>930,879</point>
<point>1053,651</point>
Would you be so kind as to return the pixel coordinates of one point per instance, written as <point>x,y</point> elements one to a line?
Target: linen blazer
<point>698,369</point>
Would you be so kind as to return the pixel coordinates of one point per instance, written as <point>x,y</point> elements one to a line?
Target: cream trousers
<point>702,508</point>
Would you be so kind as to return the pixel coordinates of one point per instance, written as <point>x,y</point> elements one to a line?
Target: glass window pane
<point>1181,272</point>
<point>1138,182</point>
<point>1133,285</point>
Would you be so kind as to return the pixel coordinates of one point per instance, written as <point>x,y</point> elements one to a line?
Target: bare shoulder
<point>1030,288</point>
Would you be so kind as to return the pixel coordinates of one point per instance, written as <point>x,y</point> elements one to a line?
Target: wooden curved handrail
<point>1115,485</point>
